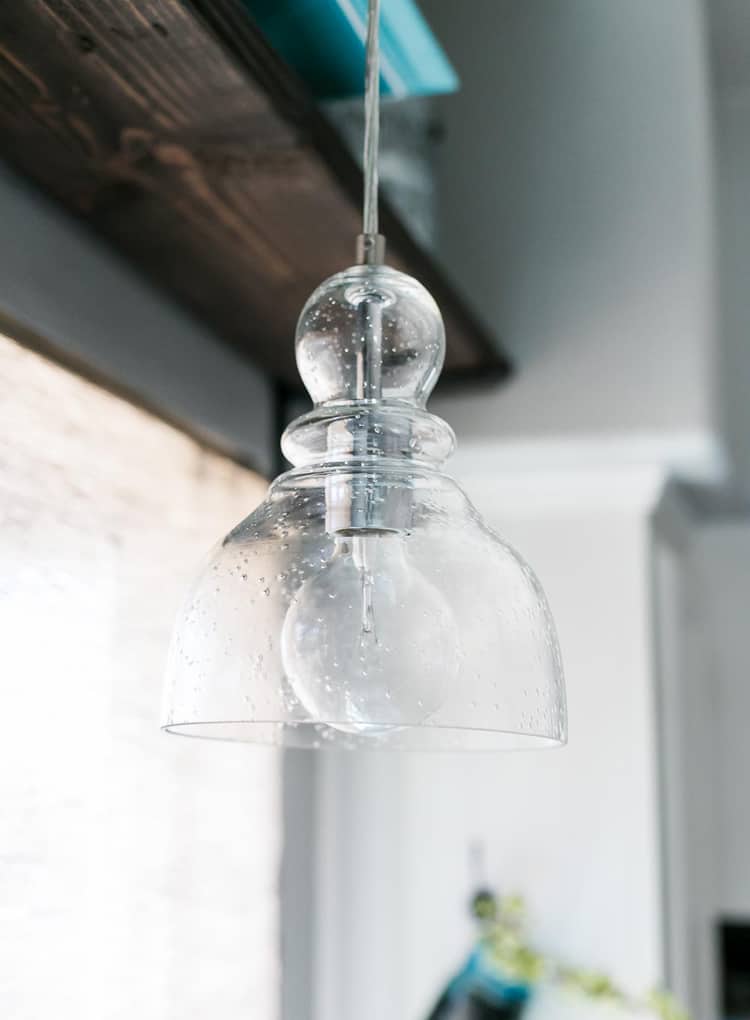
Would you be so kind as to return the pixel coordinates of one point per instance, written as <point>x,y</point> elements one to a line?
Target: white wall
<point>576,830</point>
<point>139,871</point>
<point>703,591</point>
<point>723,557</point>
<point>575,200</point>
<point>688,743</point>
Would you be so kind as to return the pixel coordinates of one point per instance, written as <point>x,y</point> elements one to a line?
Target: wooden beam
<point>178,134</point>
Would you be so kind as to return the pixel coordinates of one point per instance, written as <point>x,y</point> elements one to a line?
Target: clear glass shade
<point>365,603</point>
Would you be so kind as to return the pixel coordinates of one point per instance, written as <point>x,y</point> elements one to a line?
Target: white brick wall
<point>138,871</point>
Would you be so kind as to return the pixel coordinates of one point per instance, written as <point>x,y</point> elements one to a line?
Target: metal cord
<point>372,120</point>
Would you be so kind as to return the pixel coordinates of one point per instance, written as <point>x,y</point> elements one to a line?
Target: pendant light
<point>365,603</point>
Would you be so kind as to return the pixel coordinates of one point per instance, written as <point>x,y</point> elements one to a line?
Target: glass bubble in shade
<point>365,604</point>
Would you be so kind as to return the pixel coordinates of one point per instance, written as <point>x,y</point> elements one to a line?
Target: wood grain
<point>178,135</point>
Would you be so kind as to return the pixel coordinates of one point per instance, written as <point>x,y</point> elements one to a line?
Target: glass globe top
<point>365,604</point>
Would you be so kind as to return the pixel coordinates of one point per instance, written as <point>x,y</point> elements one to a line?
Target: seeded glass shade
<point>365,603</point>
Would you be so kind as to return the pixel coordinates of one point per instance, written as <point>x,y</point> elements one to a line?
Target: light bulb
<point>368,644</point>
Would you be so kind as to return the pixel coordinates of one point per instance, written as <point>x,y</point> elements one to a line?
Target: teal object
<point>324,41</point>
<point>481,978</point>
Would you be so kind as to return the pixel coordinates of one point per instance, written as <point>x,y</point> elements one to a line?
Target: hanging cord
<point>372,120</point>
<point>370,244</point>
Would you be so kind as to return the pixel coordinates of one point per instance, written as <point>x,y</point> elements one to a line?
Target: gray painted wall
<point>730,36</point>
<point>63,284</point>
<point>575,209</point>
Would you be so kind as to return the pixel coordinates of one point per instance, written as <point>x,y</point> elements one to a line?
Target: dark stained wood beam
<point>178,134</point>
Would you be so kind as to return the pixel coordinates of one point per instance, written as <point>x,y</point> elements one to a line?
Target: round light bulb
<point>368,644</point>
